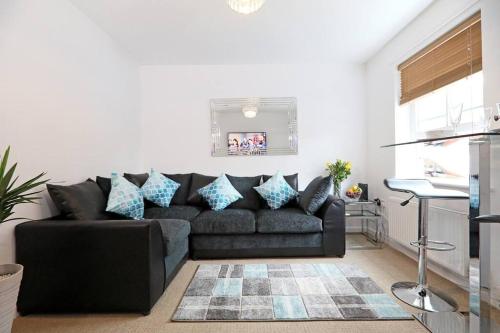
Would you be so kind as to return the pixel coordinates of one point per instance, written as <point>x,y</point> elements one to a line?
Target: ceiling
<point>284,31</point>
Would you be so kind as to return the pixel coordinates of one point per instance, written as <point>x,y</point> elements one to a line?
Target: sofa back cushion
<point>104,184</point>
<point>198,181</point>
<point>83,201</point>
<point>245,186</point>
<point>138,179</point>
<point>181,195</point>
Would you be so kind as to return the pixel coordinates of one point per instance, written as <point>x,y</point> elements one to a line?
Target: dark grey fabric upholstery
<point>245,186</point>
<point>180,212</point>
<point>174,233</point>
<point>227,221</point>
<point>181,195</point>
<point>256,241</point>
<point>175,260</point>
<point>198,181</point>
<point>137,179</point>
<point>333,215</point>
<point>83,201</point>
<point>104,184</point>
<point>287,220</point>
<point>315,194</point>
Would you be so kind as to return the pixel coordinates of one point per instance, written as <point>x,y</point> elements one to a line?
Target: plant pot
<point>9,289</point>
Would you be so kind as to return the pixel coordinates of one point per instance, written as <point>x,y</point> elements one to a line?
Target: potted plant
<point>12,195</point>
<point>339,171</point>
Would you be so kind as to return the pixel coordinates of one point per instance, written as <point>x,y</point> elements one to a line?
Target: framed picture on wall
<point>246,143</point>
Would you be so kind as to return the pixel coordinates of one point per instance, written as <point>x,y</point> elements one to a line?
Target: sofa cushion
<point>181,195</point>
<point>315,194</point>
<point>293,181</point>
<point>83,201</point>
<point>245,186</point>
<point>173,212</point>
<point>198,181</point>
<point>287,220</point>
<point>125,198</point>
<point>227,221</point>
<point>159,189</point>
<point>138,179</point>
<point>276,191</point>
<point>174,232</point>
<point>104,184</point>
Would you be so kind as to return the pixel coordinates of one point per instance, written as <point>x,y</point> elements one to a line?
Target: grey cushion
<point>315,194</point>
<point>83,201</point>
<point>104,184</point>
<point>287,220</point>
<point>173,212</point>
<point>245,186</point>
<point>198,181</point>
<point>227,221</point>
<point>174,233</point>
<point>181,195</point>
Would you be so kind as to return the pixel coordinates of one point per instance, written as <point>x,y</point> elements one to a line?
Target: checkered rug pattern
<point>273,292</point>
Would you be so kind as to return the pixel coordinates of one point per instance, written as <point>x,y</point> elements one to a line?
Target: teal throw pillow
<point>276,191</point>
<point>125,198</point>
<point>220,193</point>
<point>159,189</point>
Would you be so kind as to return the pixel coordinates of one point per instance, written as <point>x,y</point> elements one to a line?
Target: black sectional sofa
<point>108,264</point>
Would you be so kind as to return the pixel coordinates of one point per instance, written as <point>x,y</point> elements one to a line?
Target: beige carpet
<point>384,266</point>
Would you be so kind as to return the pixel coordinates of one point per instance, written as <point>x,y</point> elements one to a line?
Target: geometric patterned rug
<point>284,292</point>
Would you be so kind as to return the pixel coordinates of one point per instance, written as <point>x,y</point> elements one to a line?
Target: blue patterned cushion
<point>220,193</point>
<point>276,191</point>
<point>125,198</point>
<point>159,189</point>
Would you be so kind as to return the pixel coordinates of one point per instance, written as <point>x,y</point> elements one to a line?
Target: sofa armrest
<point>333,215</point>
<point>90,266</point>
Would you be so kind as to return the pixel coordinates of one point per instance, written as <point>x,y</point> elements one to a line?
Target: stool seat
<point>423,189</point>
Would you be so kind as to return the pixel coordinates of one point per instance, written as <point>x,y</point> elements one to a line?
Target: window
<point>449,70</point>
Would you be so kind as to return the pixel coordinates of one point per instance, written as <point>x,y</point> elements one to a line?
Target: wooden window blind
<point>453,56</point>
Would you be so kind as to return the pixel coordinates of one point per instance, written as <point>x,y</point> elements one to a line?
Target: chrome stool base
<point>428,299</point>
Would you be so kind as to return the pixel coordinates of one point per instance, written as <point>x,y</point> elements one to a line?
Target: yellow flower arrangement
<point>339,171</point>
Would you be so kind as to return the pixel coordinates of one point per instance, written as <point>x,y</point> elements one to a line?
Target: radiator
<point>444,225</point>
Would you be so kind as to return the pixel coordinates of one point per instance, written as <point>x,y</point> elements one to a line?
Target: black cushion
<point>104,184</point>
<point>83,201</point>
<point>173,212</point>
<point>293,181</point>
<point>227,221</point>
<point>287,220</point>
<point>181,195</point>
<point>245,185</point>
<point>315,194</point>
<point>174,232</point>
<point>138,179</point>
<point>198,181</point>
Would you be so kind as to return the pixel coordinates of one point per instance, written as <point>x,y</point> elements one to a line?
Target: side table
<point>367,212</point>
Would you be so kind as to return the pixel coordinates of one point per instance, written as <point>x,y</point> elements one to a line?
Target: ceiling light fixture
<point>245,6</point>
<point>249,111</point>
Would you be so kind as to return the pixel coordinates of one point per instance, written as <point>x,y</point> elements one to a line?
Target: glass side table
<point>371,221</point>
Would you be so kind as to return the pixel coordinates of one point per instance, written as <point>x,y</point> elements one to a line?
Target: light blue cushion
<point>125,198</point>
<point>220,193</point>
<point>159,189</point>
<point>276,191</point>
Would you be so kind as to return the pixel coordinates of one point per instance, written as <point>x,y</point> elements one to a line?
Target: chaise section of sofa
<point>98,266</point>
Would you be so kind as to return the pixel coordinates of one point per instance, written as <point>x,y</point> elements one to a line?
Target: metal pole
<point>423,210</point>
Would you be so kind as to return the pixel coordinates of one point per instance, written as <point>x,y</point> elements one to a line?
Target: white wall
<point>176,117</point>
<point>69,99</point>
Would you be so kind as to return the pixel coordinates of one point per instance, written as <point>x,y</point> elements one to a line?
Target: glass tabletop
<point>469,135</point>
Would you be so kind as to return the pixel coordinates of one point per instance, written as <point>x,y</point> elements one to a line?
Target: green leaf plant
<point>12,195</point>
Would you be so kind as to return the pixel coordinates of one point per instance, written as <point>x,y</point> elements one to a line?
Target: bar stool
<point>420,295</point>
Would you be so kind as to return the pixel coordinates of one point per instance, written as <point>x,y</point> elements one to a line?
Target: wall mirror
<point>254,126</point>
